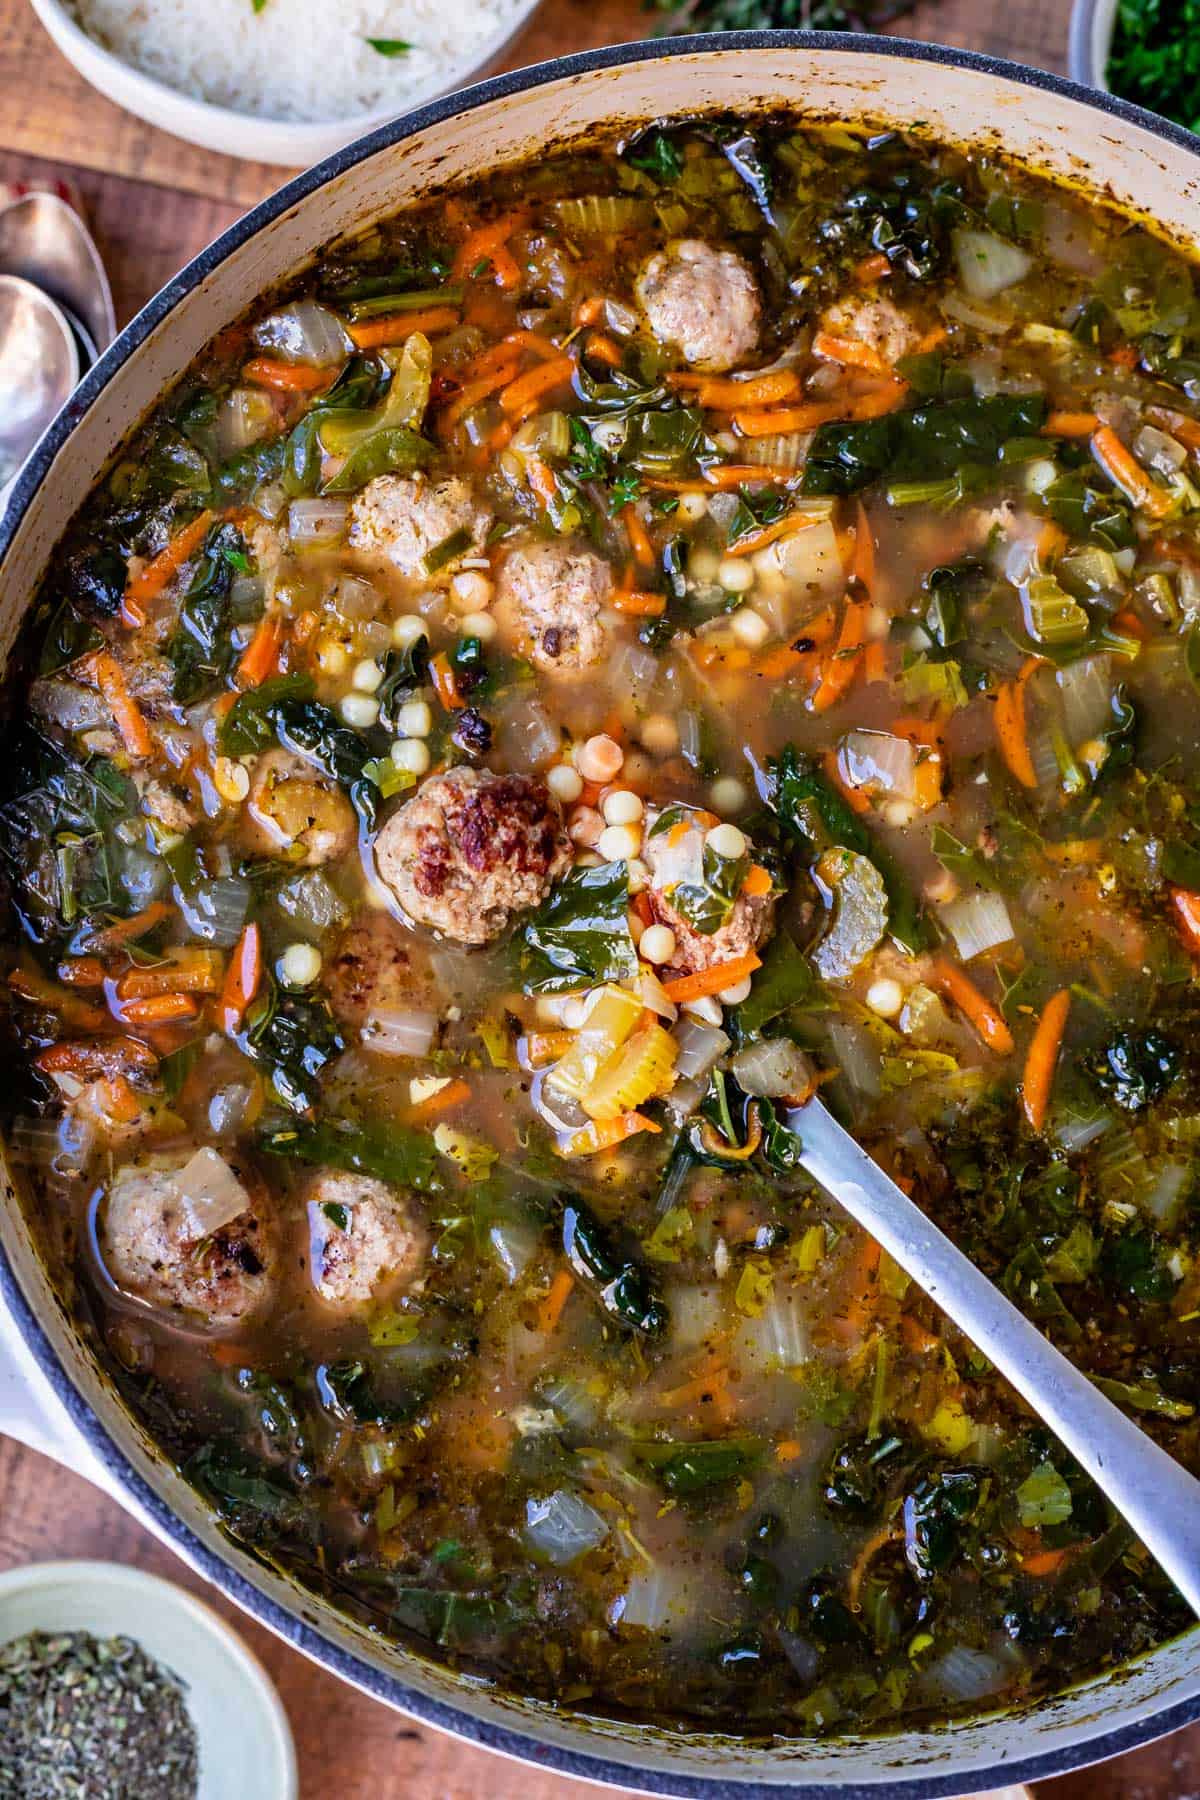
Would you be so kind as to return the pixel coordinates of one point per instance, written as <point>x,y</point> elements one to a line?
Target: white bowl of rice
<point>280,81</point>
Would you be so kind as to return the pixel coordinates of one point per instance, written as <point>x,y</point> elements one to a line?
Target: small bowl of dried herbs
<point>1147,51</point>
<point>114,1683</point>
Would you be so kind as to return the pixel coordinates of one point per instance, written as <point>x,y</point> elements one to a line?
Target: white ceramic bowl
<point>245,1741</point>
<point>291,143</point>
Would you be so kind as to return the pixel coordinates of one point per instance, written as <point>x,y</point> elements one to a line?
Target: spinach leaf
<point>621,1286</point>
<point>59,838</point>
<point>930,441</point>
<point>385,1149</point>
<point>688,1470</point>
<point>244,1494</point>
<point>200,649</point>
<point>1043,1498</point>
<point>785,980</point>
<point>462,1621</point>
<point>249,725</point>
<point>1090,514</point>
<point>394,450</point>
<point>656,155</point>
<point>935,1513</point>
<point>69,636</point>
<point>1135,1068</point>
<point>1131,1261</point>
<point>971,868</point>
<point>291,1037</point>
<point>1144,1396</point>
<point>579,936</point>
<point>1027,1281</point>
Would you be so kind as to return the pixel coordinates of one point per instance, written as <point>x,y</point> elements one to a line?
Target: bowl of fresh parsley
<point>1147,51</point>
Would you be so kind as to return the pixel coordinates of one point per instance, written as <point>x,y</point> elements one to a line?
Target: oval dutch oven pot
<point>54,1394</point>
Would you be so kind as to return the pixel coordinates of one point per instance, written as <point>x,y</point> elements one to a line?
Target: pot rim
<point>393,1690</point>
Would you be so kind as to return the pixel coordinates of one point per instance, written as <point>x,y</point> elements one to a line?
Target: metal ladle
<point>39,369</point>
<point>1157,1497</point>
<point>45,241</point>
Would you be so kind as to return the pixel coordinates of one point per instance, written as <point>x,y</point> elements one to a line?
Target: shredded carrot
<point>1043,1562</point>
<point>453,1094</point>
<point>189,970</point>
<point>929,340</point>
<point>713,980</point>
<point>916,1337</point>
<point>590,310</point>
<point>397,328</point>
<point>1178,424</point>
<point>1070,424</point>
<point>872,269</point>
<point>159,1009</point>
<point>543,481</point>
<point>486,244</point>
<point>82,971</point>
<point>602,349</point>
<point>543,1047</point>
<point>1052,541</point>
<point>261,653</point>
<point>879,1540</point>
<point>855,797</point>
<point>103,670</point>
<point>852,353</point>
<point>780,420</point>
<point>71,1008</point>
<point>241,978</point>
<point>788,1450</point>
<point>597,1136</point>
<point>788,526</point>
<point>149,584</point>
<point>757,390</point>
<point>638,605</point>
<point>1127,621</point>
<point>1187,915</point>
<point>873,402</point>
<point>639,538</point>
<point>1011,734</point>
<point>524,395</point>
<point>875,662</point>
<point>472,392</point>
<point>550,1310</point>
<point>863,565</point>
<point>1123,468</point>
<point>1125,356</point>
<point>88,1061</point>
<point>1041,1059</point>
<point>288,378</point>
<point>954,982</point>
<point>758,883</point>
<point>445,682</point>
<point>842,665</point>
<point>127,931</point>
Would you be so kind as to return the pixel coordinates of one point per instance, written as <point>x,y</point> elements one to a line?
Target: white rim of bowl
<point>281,135</point>
<point>140,1583</point>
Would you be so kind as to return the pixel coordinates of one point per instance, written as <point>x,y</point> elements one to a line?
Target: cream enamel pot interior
<point>1153,168</point>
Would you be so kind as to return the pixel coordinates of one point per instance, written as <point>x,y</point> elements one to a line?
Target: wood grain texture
<point>154,201</point>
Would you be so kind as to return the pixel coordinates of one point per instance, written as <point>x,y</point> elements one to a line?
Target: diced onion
<point>211,1193</point>
<point>688,725</point>
<point>1073,1132</point>
<point>977,923</point>
<point>1163,1200</point>
<point>228,1108</point>
<point>246,416</point>
<point>810,558</point>
<point>634,673</point>
<point>1162,453</point>
<point>353,598</point>
<point>685,1097</point>
<point>1086,687</point>
<point>701,1047</point>
<point>774,1067</point>
<point>513,1243</point>
<point>620,318</point>
<point>696,1314</point>
<point>991,321</point>
<point>304,332</point>
<point>318,521</point>
<point>311,903</point>
<point>964,1674</point>
<point>563,1526</point>
<point>654,996</point>
<point>399,1031</point>
<point>853,1050</point>
<point>656,1598</point>
<point>988,264</point>
<point>216,910</point>
<point>777,1339</point>
<point>527,736</point>
<point>876,758</point>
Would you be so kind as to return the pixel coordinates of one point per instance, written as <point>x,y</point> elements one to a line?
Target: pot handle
<point>31,1411</point>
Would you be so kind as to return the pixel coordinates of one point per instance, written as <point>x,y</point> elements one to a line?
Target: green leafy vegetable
<point>622,1288</point>
<point>931,441</point>
<point>580,934</point>
<point>689,1470</point>
<point>1043,1498</point>
<point>387,1150</point>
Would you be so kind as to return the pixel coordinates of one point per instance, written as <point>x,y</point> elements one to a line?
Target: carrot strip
<point>543,1047</point>
<point>1043,1562</point>
<point>1187,916</point>
<point>639,538</point>
<point>523,395</point>
<point>82,971</point>
<point>486,244</point>
<point>863,567</point>
<point>149,584</point>
<point>1011,734</point>
<point>1052,541</point>
<point>33,986</point>
<point>879,1540</point>
<point>550,1310</point>
<point>597,1136</point>
<point>126,931</point>
<point>783,419</point>
<point>788,1450</point>
<point>288,378</point>
<point>713,980</point>
<point>1070,424</point>
<point>159,1009</point>
<point>770,534</point>
<point>855,797</point>
<point>589,310</point>
<point>1177,423</point>
<point>756,390</point>
<point>956,985</point>
<point>871,269</point>
<point>602,349</point>
<point>397,328</point>
<point>453,1094</point>
<point>757,884</point>
<point>1122,468</point>
<point>241,978</point>
<point>445,683</point>
<point>875,662</point>
<point>472,392</point>
<point>842,665</point>
<point>260,655</point>
<point>638,605</point>
<point>186,971</point>
<point>1041,1059</point>
<point>851,353</point>
<point>88,1061</point>
<point>1128,622</point>
<point>883,398</point>
<point>1125,356</point>
<point>104,672</point>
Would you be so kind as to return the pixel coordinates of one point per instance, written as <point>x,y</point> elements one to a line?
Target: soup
<point>708,617</point>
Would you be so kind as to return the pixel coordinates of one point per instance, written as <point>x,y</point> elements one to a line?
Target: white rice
<point>301,60</point>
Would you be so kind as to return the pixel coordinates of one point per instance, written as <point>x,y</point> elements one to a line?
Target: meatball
<point>551,595</point>
<point>470,849</point>
<point>364,1239</point>
<point>295,811</point>
<point>371,969</point>
<point>674,858</point>
<point>155,1244</point>
<point>405,517</point>
<point>702,301</point>
<point>878,324</point>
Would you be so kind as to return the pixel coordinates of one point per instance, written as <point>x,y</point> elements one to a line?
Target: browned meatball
<point>702,302</point>
<point>471,849</point>
<point>676,857</point>
<point>371,970</point>
<point>405,517</point>
<point>878,324</point>
<point>364,1239</point>
<point>294,812</point>
<point>156,1247</point>
<point>551,597</point>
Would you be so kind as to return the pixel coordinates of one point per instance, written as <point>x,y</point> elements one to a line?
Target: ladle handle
<point>1155,1495</point>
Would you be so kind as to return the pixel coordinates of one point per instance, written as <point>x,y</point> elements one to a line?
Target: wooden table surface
<point>153,202</point>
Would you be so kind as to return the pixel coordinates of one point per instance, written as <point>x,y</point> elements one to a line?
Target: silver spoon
<point>1157,1497</point>
<point>45,241</point>
<point>39,369</point>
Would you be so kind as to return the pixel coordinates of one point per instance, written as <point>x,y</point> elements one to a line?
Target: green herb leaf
<point>389,46</point>
<point>1043,1498</point>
